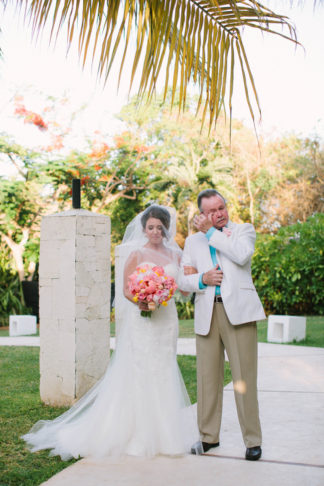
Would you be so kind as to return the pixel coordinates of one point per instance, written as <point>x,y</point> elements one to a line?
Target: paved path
<point>20,341</point>
<point>185,345</point>
<point>291,397</point>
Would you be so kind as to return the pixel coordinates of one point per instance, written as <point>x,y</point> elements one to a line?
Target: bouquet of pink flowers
<point>151,285</point>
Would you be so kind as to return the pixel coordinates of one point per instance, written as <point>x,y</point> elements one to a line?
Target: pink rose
<point>159,270</point>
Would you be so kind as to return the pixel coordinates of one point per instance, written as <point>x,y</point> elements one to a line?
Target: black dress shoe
<point>201,447</point>
<point>253,453</point>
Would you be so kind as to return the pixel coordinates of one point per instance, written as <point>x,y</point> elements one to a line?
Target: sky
<point>289,81</point>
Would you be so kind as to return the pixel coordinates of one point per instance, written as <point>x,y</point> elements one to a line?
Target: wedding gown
<point>140,407</point>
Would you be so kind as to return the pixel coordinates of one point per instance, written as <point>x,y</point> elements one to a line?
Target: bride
<point>140,407</point>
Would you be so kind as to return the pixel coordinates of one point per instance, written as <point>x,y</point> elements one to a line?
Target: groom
<point>216,266</point>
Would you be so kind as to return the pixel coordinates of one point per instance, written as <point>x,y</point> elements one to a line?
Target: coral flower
<point>152,286</point>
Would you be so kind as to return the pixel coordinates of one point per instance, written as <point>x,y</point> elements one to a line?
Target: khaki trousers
<point>240,343</point>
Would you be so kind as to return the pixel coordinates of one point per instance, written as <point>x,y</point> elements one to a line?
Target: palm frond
<point>190,40</point>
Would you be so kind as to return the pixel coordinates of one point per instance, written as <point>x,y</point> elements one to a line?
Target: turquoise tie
<point>215,262</point>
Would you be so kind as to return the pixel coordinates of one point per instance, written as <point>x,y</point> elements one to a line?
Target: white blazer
<point>234,253</point>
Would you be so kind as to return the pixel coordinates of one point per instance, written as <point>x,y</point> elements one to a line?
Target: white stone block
<point>82,291</point>
<point>86,241</point>
<point>100,276</point>
<point>48,331</point>
<point>58,228</point>
<point>84,326</point>
<point>66,325</point>
<point>46,308</point>
<point>82,254</point>
<point>84,272</point>
<point>63,298</point>
<point>104,311</point>
<point>75,272</point>
<point>22,325</point>
<point>102,244</point>
<point>96,297</point>
<point>285,329</point>
<point>91,357</point>
<point>50,267</point>
<point>102,227</point>
<point>81,300</point>
<point>66,344</point>
<point>80,310</point>
<point>66,260</point>
<point>103,263</point>
<point>86,225</point>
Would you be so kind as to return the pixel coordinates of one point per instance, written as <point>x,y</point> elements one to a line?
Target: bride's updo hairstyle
<point>157,212</point>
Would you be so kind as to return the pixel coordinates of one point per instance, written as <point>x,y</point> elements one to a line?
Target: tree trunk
<point>251,208</point>
<point>191,212</point>
<point>17,250</point>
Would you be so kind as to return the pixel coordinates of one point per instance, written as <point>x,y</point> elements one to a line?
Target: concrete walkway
<point>185,345</point>
<point>20,341</point>
<point>291,398</point>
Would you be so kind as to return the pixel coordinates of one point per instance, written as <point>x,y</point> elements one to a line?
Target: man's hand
<point>188,270</point>
<point>201,223</point>
<point>227,232</point>
<point>213,276</point>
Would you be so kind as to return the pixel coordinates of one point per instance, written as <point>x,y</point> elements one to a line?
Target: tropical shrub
<point>185,306</point>
<point>11,295</point>
<point>288,268</point>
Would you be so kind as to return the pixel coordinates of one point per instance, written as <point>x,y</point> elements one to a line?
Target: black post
<point>76,194</point>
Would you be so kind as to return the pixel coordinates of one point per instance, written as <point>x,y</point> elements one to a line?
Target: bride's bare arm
<point>130,267</point>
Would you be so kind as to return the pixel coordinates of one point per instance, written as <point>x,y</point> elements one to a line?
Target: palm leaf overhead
<point>182,40</point>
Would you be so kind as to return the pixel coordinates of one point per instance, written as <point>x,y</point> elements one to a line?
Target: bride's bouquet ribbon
<point>151,285</point>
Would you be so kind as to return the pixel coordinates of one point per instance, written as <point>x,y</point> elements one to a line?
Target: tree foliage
<point>186,40</point>
<point>297,191</point>
<point>44,185</point>
<point>11,295</point>
<point>187,157</point>
<point>22,204</point>
<point>288,268</point>
<point>166,158</point>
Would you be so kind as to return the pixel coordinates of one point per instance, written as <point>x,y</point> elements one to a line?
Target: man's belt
<point>218,299</point>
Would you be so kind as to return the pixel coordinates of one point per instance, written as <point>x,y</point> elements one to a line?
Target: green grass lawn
<point>4,332</point>
<point>21,407</point>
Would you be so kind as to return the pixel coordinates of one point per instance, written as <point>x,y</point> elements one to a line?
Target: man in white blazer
<point>216,265</point>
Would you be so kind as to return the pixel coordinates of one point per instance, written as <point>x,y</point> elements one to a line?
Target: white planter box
<point>22,325</point>
<point>285,329</point>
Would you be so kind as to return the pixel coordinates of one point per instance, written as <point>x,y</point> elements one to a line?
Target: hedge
<point>288,268</point>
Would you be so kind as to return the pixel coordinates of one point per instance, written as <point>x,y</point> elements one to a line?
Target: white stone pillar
<point>74,281</point>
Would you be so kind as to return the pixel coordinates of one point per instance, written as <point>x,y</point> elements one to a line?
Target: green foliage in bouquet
<point>288,268</point>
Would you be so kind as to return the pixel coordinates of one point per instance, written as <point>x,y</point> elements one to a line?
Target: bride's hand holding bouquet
<point>151,287</point>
